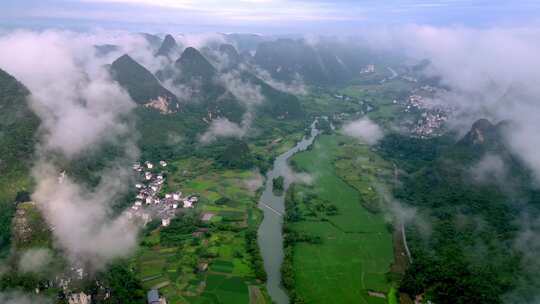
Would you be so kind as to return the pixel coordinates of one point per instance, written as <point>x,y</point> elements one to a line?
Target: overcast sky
<point>263,16</point>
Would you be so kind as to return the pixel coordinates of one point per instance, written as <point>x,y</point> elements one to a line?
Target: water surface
<point>270,236</point>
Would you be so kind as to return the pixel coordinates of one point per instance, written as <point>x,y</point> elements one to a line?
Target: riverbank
<point>270,238</point>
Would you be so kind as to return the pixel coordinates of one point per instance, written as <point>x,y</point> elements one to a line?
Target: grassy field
<point>355,251</point>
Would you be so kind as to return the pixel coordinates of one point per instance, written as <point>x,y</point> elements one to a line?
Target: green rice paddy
<point>356,250</point>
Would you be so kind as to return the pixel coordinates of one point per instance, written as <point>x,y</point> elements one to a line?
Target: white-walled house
<point>79,298</point>
<point>165,222</point>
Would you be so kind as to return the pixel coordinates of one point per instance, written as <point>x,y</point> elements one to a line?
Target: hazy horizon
<point>263,16</point>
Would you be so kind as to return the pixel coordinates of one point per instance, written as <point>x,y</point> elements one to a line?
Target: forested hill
<point>18,126</point>
<point>168,48</point>
<point>471,196</point>
<point>141,85</point>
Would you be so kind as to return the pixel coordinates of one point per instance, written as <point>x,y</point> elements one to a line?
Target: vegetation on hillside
<point>142,86</point>
<point>18,127</point>
<point>469,219</point>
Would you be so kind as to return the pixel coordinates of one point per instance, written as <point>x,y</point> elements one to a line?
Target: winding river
<point>270,236</point>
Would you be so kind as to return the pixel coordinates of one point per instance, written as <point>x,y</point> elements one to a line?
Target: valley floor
<point>338,256</point>
<point>210,254</point>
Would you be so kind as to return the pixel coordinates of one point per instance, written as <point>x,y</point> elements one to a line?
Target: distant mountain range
<point>195,77</point>
<point>319,63</point>
<point>324,62</point>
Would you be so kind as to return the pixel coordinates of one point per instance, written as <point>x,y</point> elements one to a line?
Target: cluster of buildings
<point>370,68</point>
<point>79,298</point>
<point>432,117</point>
<point>342,97</point>
<point>74,276</point>
<point>429,124</point>
<point>150,202</point>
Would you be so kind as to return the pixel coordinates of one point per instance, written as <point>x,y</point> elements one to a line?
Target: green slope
<point>168,48</point>
<point>141,85</point>
<point>18,125</point>
<point>469,255</point>
<point>194,66</point>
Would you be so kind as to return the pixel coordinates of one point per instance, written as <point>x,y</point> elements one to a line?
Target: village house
<point>163,163</point>
<point>153,297</point>
<point>370,68</point>
<point>165,222</point>
<point>187,204</point>
<point>206,217</point>
<point>202,267</point>
<point>149,202</point>
<point>149,165</point>
<point>79,298</point>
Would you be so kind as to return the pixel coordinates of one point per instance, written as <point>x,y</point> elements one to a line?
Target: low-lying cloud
<point>295,87</point>
<point>490,168</point>
<point>491,73</point>
<point>81,109</point>
<point>19,298</point>
<point>248,94</point>
<point>35,260</point>
<point>365,130</point>
<point>222,127</point>
<point>291,176</point>
<point>488,73</point>
<point>254,182</point>
<point>80,218</point>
